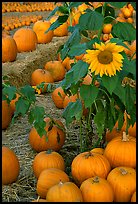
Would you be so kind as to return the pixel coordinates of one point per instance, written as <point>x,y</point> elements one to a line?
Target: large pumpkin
<point>47,159</point>
<point>6,114</point>
<point>56,68</point>
<point>40,28</point>
<point>64,192</point>
<point>88,164</point>
<point>58,96</point>
<point>48,178</point>
<point>10,166</point>
<point>97,189</point>
<point>54,138</point>
<point>9,49</point>
<point>123,181</point>
<point>121,151</point>
<point>25,39</point>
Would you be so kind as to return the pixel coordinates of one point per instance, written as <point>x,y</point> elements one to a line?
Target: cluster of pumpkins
<point>97,175</point>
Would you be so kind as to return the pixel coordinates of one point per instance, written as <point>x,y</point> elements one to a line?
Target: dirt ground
<point>16,136</point>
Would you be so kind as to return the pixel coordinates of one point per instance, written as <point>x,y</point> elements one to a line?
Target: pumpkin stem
<point>60,182</point>
<point>88,154</point>
<point>125,137</point>
<point>49,151</point>
<point>123,171</point>
<point>38,199</point>
<point>96,179</point>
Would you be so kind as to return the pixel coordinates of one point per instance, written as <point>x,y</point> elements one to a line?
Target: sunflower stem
<point>103,13</point>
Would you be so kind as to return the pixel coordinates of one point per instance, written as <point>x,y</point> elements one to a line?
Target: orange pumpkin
<point>40,75</point>
<point>9,48</point>
<point>96,189</point>
<point>41,200</point>
<point>88,164</point>
<point>25,39</point>
<point>98,150</point>
<point>48,178</point>
<point>54,138</point>
<point>12,103</point>
<point>58,96</point>
<point>123,182</point>
<point>6,114</point>
<point>40,27</point>
<point>64,192</point>
<point>133,198</point>
<point>56,69</point>
<point>10,166</point>
<point>47,159</point>
<point>121,151</point>
<point>68,99</point>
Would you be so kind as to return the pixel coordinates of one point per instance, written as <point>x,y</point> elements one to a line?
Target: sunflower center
<point>105,57</point>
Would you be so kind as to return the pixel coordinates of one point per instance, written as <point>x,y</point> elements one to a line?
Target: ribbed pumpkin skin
<point>40,27</point>
<point>121,153</point>
<point>25,39</point>
<point>88,164</point>
<point>64,192</point>
<point>6,114</point>
<point>98,150</point>
<point>47,159</point>
<point>55,136</point>
<point>133,198</point>
<point>48,178</point>
<point>10,166</point>
<point>9,49</point>
<point>97,189</point>
<point>123,185</point>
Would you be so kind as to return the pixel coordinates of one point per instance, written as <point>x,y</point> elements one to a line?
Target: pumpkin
<point>47,159</point>
<point>64,192</point>
<point>67,99</point>
<point>97,189</point>
<point>56,68</point>
<point>60,31</point>
<point>121,151</point>
<point>98,150</point>
<point>48,178</point>
<point>87,80</point>
<point>123,181</point>
<point>133,198</point>
<point>6,114</point>
<point>25,39</point>
<point>9,48</point>
<point>54,138</point>
<point>40,27</point>
<point>58,96</point>
<point>13,101</point>
<point>39,200</point>
<point>40,75</point>
<point>88,164</point>
<point>10,166</point>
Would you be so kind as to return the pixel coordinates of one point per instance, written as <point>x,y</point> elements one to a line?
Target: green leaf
<point>109,11</point>
<point>52,13</point>
<point>120,120</point>
<point>130,98</point>
<point>117,4</point>
<point>77,49</point>
<point>22,107</point>
<point>88,93</point>
<point>118,42</point>
<point>99,120</point>
<point>124,30</point>
<point>74,4</point>
<point>73,111</point>
<point>91,20</point>
<point>28,92</point>
<point>110,83</point>
<point>10,92</point>
<point>130,67</point>
<point>120,92</point>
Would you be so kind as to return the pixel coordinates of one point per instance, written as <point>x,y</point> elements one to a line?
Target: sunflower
<point>105,58</point>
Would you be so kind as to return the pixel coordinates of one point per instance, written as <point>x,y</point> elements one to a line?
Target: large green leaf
<point>92,20</point>
<point>117,4</point>
<point>99,121</point>
<point>28,92</point>
<point>73,111</point>
<point>124,30</point>
<point>22,107</point>
<point>109,83</point>
<point>130,98</point>
<point>88,93</point>
<point>9,92</point>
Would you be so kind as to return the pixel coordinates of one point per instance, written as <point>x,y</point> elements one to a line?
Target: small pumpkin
<point>40,75</point>
<point>56,68</point>
<point>40,27</point>
<point>10,166</point>
<point>71,98</point>
<point>13,101</point>
<point>88,164</point>
<point>97,189</point>
<point>58,96</point>
<point>9,48</point>
<point>121,151</point>
<point>25,39</point>
<point>6,114</point>
<point>64,192</point>
<point>48,178</point>
<point>54,139</point>
<point>123,182</point>
<point>47,159</point>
